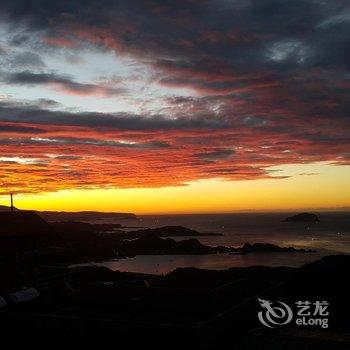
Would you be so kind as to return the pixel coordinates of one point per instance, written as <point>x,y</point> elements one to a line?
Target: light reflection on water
<point>161,264</point>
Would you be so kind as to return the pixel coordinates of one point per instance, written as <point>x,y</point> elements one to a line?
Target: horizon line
<point>239,211</point>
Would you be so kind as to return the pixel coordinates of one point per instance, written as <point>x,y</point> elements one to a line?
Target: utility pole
<point>11,195</point>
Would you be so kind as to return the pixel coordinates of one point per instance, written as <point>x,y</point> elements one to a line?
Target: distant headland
<point>77,216</point>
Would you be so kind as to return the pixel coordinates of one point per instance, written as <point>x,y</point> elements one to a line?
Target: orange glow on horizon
<point>327,186</point>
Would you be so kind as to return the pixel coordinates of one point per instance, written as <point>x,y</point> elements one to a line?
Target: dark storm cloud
<point>20,129</point>
<point>14,112</point>
<point>214,20</point>
<point>62,141</point>
<point>46,103</point>
<point>216,154</point>
<point>62,82</point>
<point>65,157</point>
<point>273,35</point>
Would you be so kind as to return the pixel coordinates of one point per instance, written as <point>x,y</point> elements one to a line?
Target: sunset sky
<point>175,106</point>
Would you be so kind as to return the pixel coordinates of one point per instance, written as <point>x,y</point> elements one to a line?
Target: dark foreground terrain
<point>188,308</point>
<point>43,300</point>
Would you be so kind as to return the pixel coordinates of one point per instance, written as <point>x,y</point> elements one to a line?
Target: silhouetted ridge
<point>171,231</point>
<point>74,216</point>
<point>22,231</point>
<point>268,248</point>
<point>84,215</point>
<point>7,208</point>
<point>23,223</point>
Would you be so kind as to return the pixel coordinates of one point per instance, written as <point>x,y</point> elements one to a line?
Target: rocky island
<point>302,217</point>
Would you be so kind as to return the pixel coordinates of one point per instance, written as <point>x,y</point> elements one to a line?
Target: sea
<point>329,236</point>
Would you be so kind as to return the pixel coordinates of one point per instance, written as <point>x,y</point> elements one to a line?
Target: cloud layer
<point>241,86</point>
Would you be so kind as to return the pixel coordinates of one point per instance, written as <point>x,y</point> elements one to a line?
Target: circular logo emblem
<point>274,313</point>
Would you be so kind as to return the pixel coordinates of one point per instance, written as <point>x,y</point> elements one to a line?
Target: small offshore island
<point>302,217</point>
